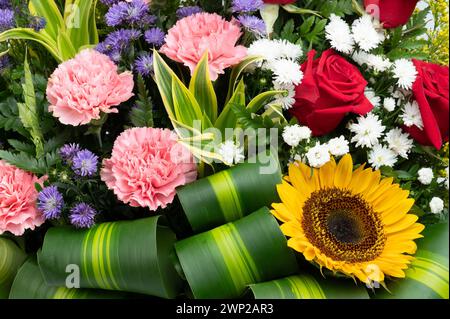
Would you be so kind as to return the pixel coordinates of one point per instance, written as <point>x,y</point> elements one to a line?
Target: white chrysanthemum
<point>265,48</point>
<point>426,175</point>
<point>411,115</point>
<point>338,146</point>
<point>436,205</point>
<point>339,34</point>
<point>294,134</point>
<point>367,131</point>
<point>378,63</point>
<point>288,50</point>
<point>286,72</point>
<point>444,180</point>
<point>286,100</point>
<point>231,153</point>
<point>381,156</point>
<point>372,97</point>
<point>399,142</point>
<point>405,72</point>
<point>361,57</point>
<point>318,155</point>
<point>389,104</point>
<point>365,34</point>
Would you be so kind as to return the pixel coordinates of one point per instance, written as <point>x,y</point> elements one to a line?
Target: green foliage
<point>142,114</point>
<point>9,117</point>
<point>31,163</point>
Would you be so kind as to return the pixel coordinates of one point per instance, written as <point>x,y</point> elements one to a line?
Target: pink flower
<point>81,88</point>
<point>146,166</point>
<point>188,40</point>
<point>18,195</point>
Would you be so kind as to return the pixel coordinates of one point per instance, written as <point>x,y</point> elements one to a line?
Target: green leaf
<point>187,109</point>
<point>221,263</point>
<point>22,147</point>
<point>30,163</point>
<point>132,256</point>
<point>203,90</point>
<point>261,100</point>
<point>227,119</point>
<point>163,79</point>
<point>50,12</point>
<point>79,22</point>
<point>142,114</point>
<point>226,196</point>
<point>296,10</point>
<point>9,117</point>
<point>237,72</point>
<point>11,258</point>
<point>65,46</point>
<point>28,111</point>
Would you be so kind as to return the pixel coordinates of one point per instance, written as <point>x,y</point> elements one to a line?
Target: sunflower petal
<point>344,172</point>
<point>402,224</point>
<point>326,174</point>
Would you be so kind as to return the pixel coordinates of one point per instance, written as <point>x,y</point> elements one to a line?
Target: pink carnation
<point>81,88</point>
<point>18,195</point>
<point>188,40</point>
<point>146,166</point>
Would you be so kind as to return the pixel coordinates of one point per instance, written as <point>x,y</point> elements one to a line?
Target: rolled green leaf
<point>30,284</point>
<point>11,258</point>
<point>228,195</point>
<point>307,286</point>
<point>222,262</point>
<point>131,256</point>
<point>427,277</point>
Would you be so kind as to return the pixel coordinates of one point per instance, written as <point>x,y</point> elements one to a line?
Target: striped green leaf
<point>296,10</point>
<point>203,90</point>
<point>50,12</point>
<point>65,46</point>
<point>227,119</point>
<point>307,286</point>
<point>222,262</point>
<point>261,100</point>
<point>79,23</point>
<point>228,195</point>
<point>237,72</point>
<point>131,256</point>
<point>187,109</point>
<point>11,258</point>
<point>163,79</point>
<point>427,277</point>
<point>30,284</point>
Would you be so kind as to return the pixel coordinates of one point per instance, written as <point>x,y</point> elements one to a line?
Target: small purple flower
<point>144,65</point>
<point>38,23</point>
<point>135,13</point>
<point>85,163</point>
<point>6,19</point>
<point>4,62</point>
<point>188,11</point>
<point>253,24</point>
<point>82,216</point>
<point>109,2</point>
<point>117,42</point>
<point>68,152</point>
<point>246,5</point>
<point>155,36</point>
<point>5,4</point>
<point>50,202</point>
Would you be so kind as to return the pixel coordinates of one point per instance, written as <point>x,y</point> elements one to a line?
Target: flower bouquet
<point>200,149</point>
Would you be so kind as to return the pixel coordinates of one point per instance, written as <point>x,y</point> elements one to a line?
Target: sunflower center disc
<point>343,225</point>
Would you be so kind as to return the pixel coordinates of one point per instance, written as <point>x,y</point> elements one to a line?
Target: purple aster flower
<point>85,163</point>
<point>253,24</point>
<point>117,42</point>
<point>4,62</point>
<point>109,2</point>
<point>188,11</point>
<point>155,36</point>
<point>68,152</point>
<point>82,215</point>
<point>246,5</point>
<point>135,12</point>
<point>5,4</point>
<point>37,23</point>
<point>6,19</point>
<point>50,202</point>
<point>144,65</point>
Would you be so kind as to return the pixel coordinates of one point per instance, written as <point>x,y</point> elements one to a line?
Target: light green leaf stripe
<point>11,258</point>
<point>222,262</point>
<point>29,284</point>
<point>227,196</point>
<point>430,274</point>
<point>308,286</point>
<point>132,256</point>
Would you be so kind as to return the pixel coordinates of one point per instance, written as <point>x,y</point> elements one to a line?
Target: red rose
<point>392,13</point>
<point>431,93</point>
<point>331,88</point>
<point>279,1</point>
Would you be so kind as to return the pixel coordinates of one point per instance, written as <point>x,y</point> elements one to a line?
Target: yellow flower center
<point>343,226</point>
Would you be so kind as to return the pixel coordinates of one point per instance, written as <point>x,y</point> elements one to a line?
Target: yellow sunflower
<point>352,222</point>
